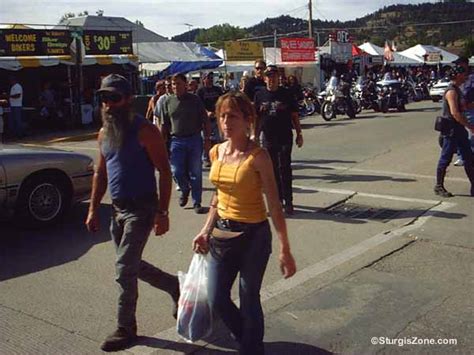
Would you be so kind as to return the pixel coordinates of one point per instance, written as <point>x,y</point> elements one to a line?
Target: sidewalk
<point>45,137</point>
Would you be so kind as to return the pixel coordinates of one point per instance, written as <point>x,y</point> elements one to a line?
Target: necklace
<point>234,179</point>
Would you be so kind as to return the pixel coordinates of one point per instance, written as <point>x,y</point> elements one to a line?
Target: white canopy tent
<point>156,56</point>
<point>398,57</point>
<point>417,52</point>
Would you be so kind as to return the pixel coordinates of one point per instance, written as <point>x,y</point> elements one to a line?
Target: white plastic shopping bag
<point>194,314</point>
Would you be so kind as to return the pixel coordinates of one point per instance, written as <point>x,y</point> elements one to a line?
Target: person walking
<point>16,107</point>
<point>209,93</point>
<point>131,148</point>
<point>277,116</point>
<point>236,231</point>
<point>256,82</point>
<point>184,117</point>
<point>159,91</point>
<point>456,136</point>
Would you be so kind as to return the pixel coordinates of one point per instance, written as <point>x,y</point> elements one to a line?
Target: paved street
<point>378,254</point>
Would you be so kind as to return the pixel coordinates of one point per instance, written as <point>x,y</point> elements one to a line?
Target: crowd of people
<point>245,136</point>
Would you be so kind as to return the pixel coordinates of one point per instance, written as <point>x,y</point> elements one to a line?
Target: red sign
<point>297,50</point>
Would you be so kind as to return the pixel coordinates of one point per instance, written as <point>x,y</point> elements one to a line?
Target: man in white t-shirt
<point>16,104</point>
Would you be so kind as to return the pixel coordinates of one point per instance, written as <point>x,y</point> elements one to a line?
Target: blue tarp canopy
<point>181,57</point>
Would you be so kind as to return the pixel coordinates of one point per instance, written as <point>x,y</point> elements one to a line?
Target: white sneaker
<point>459,162</point>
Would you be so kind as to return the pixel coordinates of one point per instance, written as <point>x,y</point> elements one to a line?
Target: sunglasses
<point>259,68</point>
<point>111,97</point>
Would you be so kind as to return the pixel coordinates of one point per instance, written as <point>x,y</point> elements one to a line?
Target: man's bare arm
<point>151,139</point>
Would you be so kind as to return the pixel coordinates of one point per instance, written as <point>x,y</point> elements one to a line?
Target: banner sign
<point>243,51</point>
<point>108,42</point>
<point>297,50</point>
<point>433,57</point>
<point>27,42</point>
<point>340,52</point>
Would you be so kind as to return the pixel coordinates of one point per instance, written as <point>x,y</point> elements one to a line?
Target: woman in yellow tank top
<point>237,232</point>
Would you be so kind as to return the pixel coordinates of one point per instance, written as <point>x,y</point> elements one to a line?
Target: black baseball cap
<point>116,83</point>
<point>461,60</point>
<point>209,75</point>
<point>271,69</point>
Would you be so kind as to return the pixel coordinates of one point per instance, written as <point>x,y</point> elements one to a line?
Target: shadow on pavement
<point>318,213</point>
<point>324,125</point>
<point>274,348</point>
<point>336,178</point>
<point>425,109</point>
<point>322,161</point>
<point>25,251</point>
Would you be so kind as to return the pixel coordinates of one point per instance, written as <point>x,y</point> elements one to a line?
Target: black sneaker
<point>119,340</point>
<point>441,191</point>
<point>289,209</point>
<point>183,199</point>
<point>199,209</point>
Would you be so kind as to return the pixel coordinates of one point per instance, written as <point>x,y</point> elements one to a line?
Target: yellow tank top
<point>239,189</point>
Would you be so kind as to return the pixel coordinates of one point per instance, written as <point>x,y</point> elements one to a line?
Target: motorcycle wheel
<point>310,108</point>
<point>327,111</point>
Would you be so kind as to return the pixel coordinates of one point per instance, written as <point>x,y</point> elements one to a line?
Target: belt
<point>184,135</point>
<point>134,202</point>
<point>228,224</point>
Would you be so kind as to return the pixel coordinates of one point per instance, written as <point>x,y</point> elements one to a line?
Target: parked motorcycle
<point>337,103</point>
<point>309,104</point>
<point>365,95</point>
<point>391,94</point>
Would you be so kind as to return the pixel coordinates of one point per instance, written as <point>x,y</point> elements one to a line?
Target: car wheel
<point>42,201</point>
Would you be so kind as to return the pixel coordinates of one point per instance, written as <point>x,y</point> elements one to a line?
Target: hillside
<point>393,22</point>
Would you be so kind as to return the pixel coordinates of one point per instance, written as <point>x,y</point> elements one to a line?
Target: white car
<point>438,89</point>
<point>37,185</point>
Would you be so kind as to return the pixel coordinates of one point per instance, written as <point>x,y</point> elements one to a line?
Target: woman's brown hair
<point>240,101</point>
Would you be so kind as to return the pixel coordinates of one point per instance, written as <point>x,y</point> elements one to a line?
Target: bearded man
<point>131,148</point>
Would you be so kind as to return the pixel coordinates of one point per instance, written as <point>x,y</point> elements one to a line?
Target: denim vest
<point>130,172</point>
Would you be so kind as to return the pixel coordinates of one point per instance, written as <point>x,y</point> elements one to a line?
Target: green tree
<point>218,34</point>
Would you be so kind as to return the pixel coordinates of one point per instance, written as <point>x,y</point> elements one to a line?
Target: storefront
<point>49,60</point>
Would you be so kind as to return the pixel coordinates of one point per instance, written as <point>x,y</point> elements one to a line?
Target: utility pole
<point>310,21</point>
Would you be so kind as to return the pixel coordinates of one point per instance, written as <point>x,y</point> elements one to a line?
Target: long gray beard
<point>116,124</point>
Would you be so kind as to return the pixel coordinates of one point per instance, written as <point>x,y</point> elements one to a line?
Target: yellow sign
<point>243,51</point>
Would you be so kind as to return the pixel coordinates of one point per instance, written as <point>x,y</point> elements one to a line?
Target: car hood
<point>15,149</point>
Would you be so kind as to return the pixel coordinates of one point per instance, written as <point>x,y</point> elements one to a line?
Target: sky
<point>170,18</point>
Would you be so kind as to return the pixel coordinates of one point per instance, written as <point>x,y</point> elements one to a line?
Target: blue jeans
<point>281,160</point>
<point>458,139</point>
<point>186,164</point>
<point>130,228</point>
<point>470,117</point>
<point>247,254</point>
<point>15,122</point>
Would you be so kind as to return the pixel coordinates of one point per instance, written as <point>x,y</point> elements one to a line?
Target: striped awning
<point>17,63</point>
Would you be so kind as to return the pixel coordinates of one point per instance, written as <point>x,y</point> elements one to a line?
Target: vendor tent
<point>398,57</point>
<point>17,63</point>
<point>107,23</point>
<point>420,50</point>
<point>175,57</point>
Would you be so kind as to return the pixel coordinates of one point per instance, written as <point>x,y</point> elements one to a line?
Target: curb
<point>71,138</point>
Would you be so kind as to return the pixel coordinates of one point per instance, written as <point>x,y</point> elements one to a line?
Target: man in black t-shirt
<point>209,94</point>
<point>277,115</point>
<point>257,82</point>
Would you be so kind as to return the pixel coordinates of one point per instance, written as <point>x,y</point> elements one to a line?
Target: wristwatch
<point>163,213</point>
